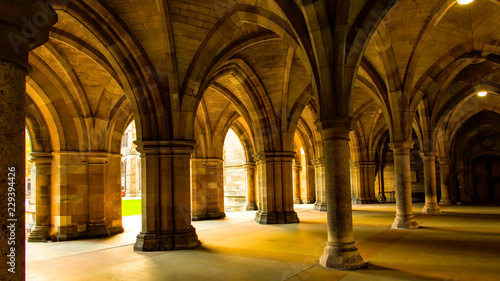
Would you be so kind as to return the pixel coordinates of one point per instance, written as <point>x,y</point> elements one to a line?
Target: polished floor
<point>462,243</point>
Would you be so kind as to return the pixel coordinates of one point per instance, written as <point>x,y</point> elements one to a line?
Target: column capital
<point>275,156</point>
<point>335,129</point>
<point>97,157</point>
<point>444,160</point>
<point>319,161</point>
<point>208,161</point>
<point>401,147</point>
<point>428,156</point>
<point>172,147</point>
<point>24,25</point>
<point>249,166</point>
<point>41,158</point>
<point>296,168</point>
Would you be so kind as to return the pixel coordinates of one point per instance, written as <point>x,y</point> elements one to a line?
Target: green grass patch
<point>131,207</point>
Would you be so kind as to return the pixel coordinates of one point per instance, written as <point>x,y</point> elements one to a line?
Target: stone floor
<point>462,243</point>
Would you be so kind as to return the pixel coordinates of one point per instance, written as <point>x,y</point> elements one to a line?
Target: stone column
<point>42,162</point>
<point>275,188</point>
<point>296,184</point>
<point>311,183</point>
<point>207,189</point>
<point>365,183</point>
<point>166,198</point>
<point>96,172</point>
<point>444,170</point>
<point>319,171</point>
<point>431,206</point>
<point>21,30</point>
<point>250,205</point>
<point>113,195</point>
<point>340,251</point>
<point>12,169</point>
<point>404,213</point>
<point>381,188</point>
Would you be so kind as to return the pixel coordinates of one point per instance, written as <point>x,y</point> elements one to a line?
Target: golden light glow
<point>482,93</point>
<point>464,2</point>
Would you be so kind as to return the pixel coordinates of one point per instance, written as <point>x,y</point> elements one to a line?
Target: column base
<point>431,209</point>
<point>250,206</point>
<point>39,234</point>
<point>320,206</point>
<point>152,241</point>
<point>276,217</point>
<point>341,256</point>
<point>445,201</point>
<point>404,222</point>
<point>364,200</point>
<point>310,200</point>
<point>297,201</point>
<point>95,230</point>
<point>208,216</point>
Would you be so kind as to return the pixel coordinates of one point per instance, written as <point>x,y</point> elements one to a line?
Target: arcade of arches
<point>332,102</point>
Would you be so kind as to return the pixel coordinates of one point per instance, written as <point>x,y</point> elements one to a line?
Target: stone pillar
<point>296,184</point>
<point>166,202</point>
<point>404,213</point>
<point>207,189</point>
<point>96,171</point>
<point>113,196</point>
<point>12,169</point>
<point>250,205</point>
<point>381,186</point>
<point>444,170</point>
<point>431,206</point>
<point>275,188</point>
<point>340,251</point>
<point>319,171</point>
<point>311,183</point>
<point>21,30</point>
<point>42,162</point>
<point>365,183</point>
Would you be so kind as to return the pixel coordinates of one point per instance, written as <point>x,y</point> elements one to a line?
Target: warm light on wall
<point>482,93</point>
<point>464,2</point>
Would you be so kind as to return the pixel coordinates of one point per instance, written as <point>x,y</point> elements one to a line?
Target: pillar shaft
<point>296,184</point>
<point>431,206</point>
<point>207,189</point>
<point>381,187</point>
<point>250,204</point>
<point>275,188</point>
<point>42,162</point>
<point>166,198</point>
<point>319,172</point>
<point>340,251</point>
<point>404,213</point>
<point>365,189</point>
<point>444,170</point>
<point>311,183</point>
<point>12,169</point>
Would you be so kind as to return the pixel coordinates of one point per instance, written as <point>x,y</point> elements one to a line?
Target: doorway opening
<point>234,174</point>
